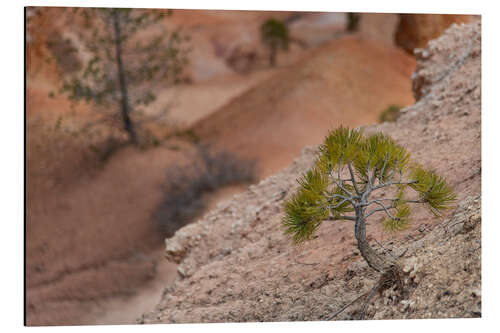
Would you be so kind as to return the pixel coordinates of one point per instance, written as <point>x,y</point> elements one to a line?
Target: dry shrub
<point>390,114</point>
<point>64,52</point>
<point>186,185</point>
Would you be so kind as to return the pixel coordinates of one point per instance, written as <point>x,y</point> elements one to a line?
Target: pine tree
<point>274,35</point>
<point>127,62</point>
<point>353,22</point>
<point>355,177</point>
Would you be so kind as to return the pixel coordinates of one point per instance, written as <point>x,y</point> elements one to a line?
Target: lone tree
<point>127,61</point>
<point>353,21</point>
<point>274,35</point>
<point>355,177</point>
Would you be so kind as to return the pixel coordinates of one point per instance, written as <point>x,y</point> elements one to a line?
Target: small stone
<point>407,304</point>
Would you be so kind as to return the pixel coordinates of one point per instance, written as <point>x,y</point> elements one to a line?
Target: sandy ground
<point>348,81</point>
<point>126,310</point>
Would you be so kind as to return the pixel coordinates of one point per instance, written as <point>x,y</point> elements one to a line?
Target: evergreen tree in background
<point>355,177</point>
<point>129,57</point>
<point>353,22</point>
<point>274,35</point>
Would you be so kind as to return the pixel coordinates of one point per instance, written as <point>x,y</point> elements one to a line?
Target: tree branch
<point>384,208</point>
<point>380,199</point>
<point>394,183</point>
<point>331,196</point>
<point>370,184</point>
<point>373,212</point>
<point>381,176</point>
<point>338,205</point>
<point>374,173</point>
<point>341,217</point>
<point>394,170</point>
<point>352,180</point>
<point>338,184</point>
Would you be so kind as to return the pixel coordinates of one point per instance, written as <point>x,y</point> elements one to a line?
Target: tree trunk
<point>272,55</point>
<point>353,21</point>
<point>376,261</point>
<point>125,108</point>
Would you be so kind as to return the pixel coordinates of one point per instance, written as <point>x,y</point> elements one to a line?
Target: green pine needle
<point>306,209</point>
<point>303,215</point>
<point>401,219</point>
<point>433,190</point>
<point>340,146</point>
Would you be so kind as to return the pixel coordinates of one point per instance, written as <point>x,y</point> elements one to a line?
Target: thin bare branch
<point>338,205</point>
<point>384,208</point>
<point>370,184</point>
<point>373,175</point>
<point>393,171</point>
<point>341,217</point>
<point>353,181</point>
<point>394,183</point>
<point>381,176</point>
<point>380,199</point>
<point>340,196</point>
<point>373,212</point>
<point>391,199</point>
<point>340,185</point>
<point>339,169</point>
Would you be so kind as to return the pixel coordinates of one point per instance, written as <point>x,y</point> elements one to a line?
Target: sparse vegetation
<point>127,63</point>
<point>186,185</point>
<point>64,53</point>
<point>355,177</point>
<point>187,134</point>
<point>274,35</point>
<point>390,114</point>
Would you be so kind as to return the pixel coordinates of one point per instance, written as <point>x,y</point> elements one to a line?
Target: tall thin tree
<point>129,58</point>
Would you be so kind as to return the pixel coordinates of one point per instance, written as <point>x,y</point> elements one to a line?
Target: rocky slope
<point>236,265</point>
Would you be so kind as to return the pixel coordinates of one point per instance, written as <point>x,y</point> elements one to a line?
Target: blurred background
<point>140,121</point>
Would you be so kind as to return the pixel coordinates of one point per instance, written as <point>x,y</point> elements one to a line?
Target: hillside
<point>349,81</point>
<point>236,265</point>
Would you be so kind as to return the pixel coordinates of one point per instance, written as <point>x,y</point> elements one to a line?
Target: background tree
<point>353,22</point>
<point>274,35</point>
<point>391,113</point>
<point>128,56</point>
<point>355,177</point>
